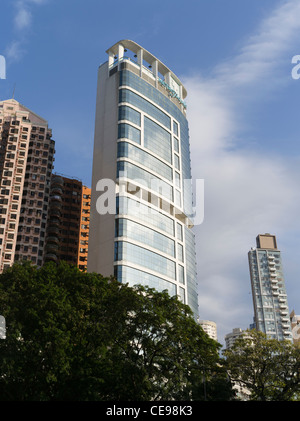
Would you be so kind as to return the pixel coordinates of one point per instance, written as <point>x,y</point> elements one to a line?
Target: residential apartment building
<point>295,325</point>
<point>67,225</point>
<point>84,228</point>
<point>271,311</point>
<point>210,328</point>
<point>141,150</point>
<point>231,337</point>
<point>26,161</point>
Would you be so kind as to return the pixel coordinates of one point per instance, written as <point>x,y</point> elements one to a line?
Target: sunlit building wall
<point>141,146</point>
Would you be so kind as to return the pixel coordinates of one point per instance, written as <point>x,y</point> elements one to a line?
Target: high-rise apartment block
<point>231,337</point>
<point>271,312</point>
<point>141,164</point>
<point>26,160</point>
<point>295,325</point>
<point>84,228</point>
<point>68,221</point>
<point>210,328</point>
<point>43,216</point>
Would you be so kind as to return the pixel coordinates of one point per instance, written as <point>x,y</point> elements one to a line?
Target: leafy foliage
<point>79,336</point>
<point>269,369</point>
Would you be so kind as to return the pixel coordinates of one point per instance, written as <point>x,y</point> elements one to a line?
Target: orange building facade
<point>84,228</point>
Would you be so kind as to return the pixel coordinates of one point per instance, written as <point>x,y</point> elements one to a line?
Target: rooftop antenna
<point>13,96</point>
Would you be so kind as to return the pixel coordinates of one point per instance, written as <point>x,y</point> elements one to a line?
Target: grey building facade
<point>271,311</point>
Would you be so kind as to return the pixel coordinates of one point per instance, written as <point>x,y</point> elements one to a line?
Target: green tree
<point>79,336</point>
<point>158,351</point>
<point>269,369</point>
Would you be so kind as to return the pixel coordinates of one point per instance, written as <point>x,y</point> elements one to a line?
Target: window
<point>129,132</point>
<point>175,128</point>
<point>128,113</point>
<point>157,140</point>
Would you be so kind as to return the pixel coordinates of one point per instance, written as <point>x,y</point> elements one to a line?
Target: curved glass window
<point>138,232</point>
<point>176,144</point>
<point>145,178</point>
<point>126,150</point>
<point>180,252</point>
<point>125,95</point>
<point>157,140</point>
<point>175,128</point>
<point>128,113</point>
<point>132,276</point>
<point>146,214</point>
<point>129,132</point>
<point>190,271</point>
<point>146,258</point>
<point>181,274</point>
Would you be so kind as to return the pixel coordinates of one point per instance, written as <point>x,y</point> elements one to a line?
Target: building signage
<point>172,92</point>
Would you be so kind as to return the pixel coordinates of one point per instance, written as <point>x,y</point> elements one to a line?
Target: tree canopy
<point>79,336</point>
<point>268,368</point>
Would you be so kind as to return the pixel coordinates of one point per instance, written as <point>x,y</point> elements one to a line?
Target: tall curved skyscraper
<point>141,209</point>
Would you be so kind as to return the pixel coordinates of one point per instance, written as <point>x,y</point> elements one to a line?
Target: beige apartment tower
<point>26,162</point>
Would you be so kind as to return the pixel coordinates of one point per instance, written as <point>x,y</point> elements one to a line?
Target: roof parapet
<point>161,73</point>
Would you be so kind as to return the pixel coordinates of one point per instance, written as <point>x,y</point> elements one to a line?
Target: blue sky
<point>234,58</point>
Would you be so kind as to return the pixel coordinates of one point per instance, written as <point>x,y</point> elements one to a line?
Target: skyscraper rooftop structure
<point>271,311</point>
<point>142,233</point>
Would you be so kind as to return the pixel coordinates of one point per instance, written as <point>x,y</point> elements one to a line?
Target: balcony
<point>55,221</point>
<point>284,312</point>
<point>53,230</point>
<point>55,204</point>
<point>54,212</point>
<point>52,246</point>
<point>57,180</point>
<point>55,197</point>
<point>51,256</point>
<point>56,189</point>
<point>53,239</point>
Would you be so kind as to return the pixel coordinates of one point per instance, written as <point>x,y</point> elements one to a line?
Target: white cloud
<point>23,16</point>
<point>14,51</point>
<point>262,53</point>
<point>246,193</point>
<point>22,22</point>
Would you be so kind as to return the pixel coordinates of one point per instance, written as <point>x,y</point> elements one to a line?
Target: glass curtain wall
<point>152,246</point>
